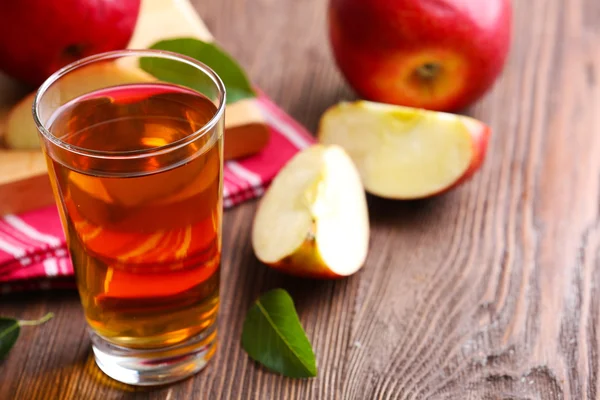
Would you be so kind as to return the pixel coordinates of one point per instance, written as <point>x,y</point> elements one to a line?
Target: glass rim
<point>135,153</point>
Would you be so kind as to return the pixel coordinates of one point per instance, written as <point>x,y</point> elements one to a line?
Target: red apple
<point>437,54</point>
<point>38,37</point>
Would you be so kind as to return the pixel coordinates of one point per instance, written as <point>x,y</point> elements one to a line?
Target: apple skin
<point>41,36</point>
<point>381,45</point>
<point>481,136</point>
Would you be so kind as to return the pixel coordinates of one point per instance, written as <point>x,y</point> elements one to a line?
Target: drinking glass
<point>133,141</point>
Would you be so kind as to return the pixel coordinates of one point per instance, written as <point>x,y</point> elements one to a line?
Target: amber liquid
<point>143,234</point>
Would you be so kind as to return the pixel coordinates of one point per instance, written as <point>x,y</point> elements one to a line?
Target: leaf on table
<point>234,78</point>
<point>10,329</point>
<point>9,333</point>
<point>273,336</point>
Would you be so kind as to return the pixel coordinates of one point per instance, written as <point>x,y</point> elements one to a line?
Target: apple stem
<point>429,71</point>
<point>73,51</point>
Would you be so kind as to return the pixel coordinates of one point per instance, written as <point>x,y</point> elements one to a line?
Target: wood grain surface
<point>491,291</point>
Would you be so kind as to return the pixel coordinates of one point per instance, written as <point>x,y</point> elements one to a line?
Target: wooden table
<point>491,291</point>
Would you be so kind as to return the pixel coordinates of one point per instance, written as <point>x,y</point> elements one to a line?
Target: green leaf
<point>236,83</point>
<point>273,336</point>
<point>9,333</point>
<point>10,329</point>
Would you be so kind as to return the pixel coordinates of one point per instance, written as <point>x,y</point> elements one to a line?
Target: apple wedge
<point>313,219</point>
<point>246,131</point>
<point>403,152</point>
<point>21,132</point>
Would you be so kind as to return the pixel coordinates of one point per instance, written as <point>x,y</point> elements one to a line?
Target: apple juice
<point>143,233</point>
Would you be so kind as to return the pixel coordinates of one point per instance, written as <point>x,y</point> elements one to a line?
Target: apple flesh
<point>440,55</point>
<point>406,153</point>
<point>313,220</point>
<point>41,36</point>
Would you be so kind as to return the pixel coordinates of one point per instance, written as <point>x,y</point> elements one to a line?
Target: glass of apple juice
<point>137,172</point>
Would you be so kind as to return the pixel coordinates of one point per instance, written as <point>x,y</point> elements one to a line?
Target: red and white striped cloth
<point>33,253</point>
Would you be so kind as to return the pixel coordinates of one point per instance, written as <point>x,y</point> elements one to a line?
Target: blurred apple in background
<point>38,37</point>
<point>436,54</point>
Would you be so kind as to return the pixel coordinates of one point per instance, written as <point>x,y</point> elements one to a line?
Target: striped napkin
<point>33,252</point>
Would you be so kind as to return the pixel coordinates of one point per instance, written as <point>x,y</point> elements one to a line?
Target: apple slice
<point>403,152</point>
<point>313,220</point>
<point>246,130</point>
<point>21,132</point>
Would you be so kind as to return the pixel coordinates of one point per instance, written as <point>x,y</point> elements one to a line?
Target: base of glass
<point>156,366</point>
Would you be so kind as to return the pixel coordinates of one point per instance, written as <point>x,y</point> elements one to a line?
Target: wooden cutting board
<point>24,183</point>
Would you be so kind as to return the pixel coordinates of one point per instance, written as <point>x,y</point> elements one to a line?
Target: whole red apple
<point>436,54</point>
<point>38,37</point>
